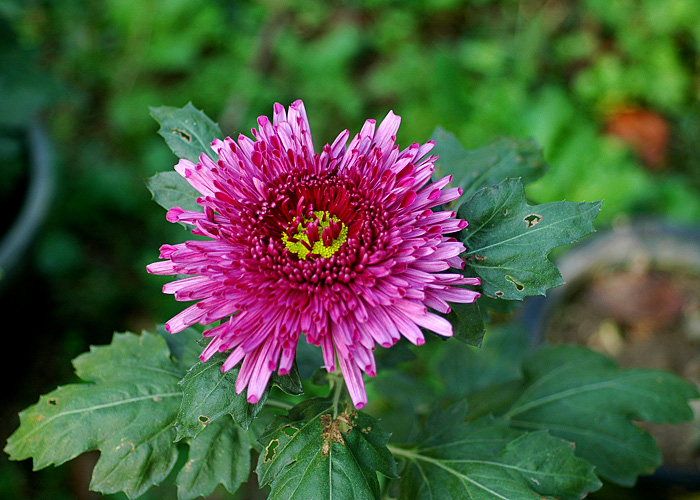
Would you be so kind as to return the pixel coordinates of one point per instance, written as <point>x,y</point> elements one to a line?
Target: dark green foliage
<point>128,409</point>
<point>312,453</point>
<point>508,240</point>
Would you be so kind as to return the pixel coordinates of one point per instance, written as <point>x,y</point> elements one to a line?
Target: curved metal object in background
<point>16,241</point>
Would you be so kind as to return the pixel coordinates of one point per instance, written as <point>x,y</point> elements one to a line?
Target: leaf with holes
<point>210,393</point>
<point>126,411</point>
<point>310,454</point>
<point>218,455</point>
<point>487,165</point>
<point>187,131</point>
<point>583,397</point>
<point>488,460</point>
<point>508,240</point>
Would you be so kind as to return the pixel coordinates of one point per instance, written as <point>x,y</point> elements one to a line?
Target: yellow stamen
<point>298,242</point>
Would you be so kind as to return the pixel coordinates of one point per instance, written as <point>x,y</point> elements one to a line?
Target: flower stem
<point>337,389</point>
<point>278,403</point>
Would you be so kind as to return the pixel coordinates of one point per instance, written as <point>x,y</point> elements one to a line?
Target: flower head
<point>341,246</point>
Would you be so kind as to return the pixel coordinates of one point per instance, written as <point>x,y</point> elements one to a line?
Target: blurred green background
<point>608,88</point>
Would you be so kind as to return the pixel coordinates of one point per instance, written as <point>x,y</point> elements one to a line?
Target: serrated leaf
<point>508,240</point>
<point>184,346</point>
<point>209,393</point>
<point>170,189</point>
<point>582,396</point>
<point>487,460</point>
<point>130,421</point>
<point>187,131</point>
<point>488,165</point>
<point>129,357</point>
<point>218,455</point>
<point>309,454</point>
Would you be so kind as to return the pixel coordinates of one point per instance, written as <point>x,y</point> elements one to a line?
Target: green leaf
<point>170,189</point>
<point>508,240</point>
<point>218,455</point>
<point>465,369</point>
<point>467,323</point>
<point>209,393</point>
<point>582,396</point>
<point>488,165</point>
<point>310,454</point>
<point>487,460</point>
<point>184,346</point>
<point>187,131</point>
<point>127,414</point>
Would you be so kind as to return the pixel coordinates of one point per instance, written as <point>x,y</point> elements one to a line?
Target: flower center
<point>321,235</point>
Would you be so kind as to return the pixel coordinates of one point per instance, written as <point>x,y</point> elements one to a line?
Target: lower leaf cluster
<point>550,423</point>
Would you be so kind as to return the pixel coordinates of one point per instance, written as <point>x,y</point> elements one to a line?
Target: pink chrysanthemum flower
<point>341,246</point>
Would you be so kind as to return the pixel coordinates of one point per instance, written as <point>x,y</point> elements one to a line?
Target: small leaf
<point>218,455</point>
<point>507,250</point>
<point>582,396</point>
<point>467,323</point>
<point>127,414</point>
<point>488,165</point>
<point>187,131</point>
<point>209,393</point>
<point>310,454</point>
<point>487,460</point>
<point>291,383</point>
<point>170,189</point>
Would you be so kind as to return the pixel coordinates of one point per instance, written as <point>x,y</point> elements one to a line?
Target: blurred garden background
<point>609,89</point>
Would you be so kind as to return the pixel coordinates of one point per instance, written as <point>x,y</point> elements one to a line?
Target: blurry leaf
<point>309,454</point>
<point>218,455</point>
<point>187,131</point>
<point>508,240</point>
<point>392,356</point>
<point>487,460</point>
<point>465,369</point>
<point>170,189</point>
<point>127,414</point>
<point>582,396</point>
<point>486,166</point>
<point>308,358</point>
<point>467,323</point>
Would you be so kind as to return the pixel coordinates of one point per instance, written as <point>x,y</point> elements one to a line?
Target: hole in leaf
<point>519,286</point>
<point>204,419</point>
<point>183,135</point>
<point>532,220</point>
<point>53,401</point>
<point>289,430</point>
<point>499,293</point>
<point>270,450</point>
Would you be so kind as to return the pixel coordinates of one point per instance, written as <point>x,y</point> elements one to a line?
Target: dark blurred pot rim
<point>37,200</point>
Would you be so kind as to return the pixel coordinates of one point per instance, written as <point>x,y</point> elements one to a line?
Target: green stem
<point>401,452</point>
<point>278,403</point>
<point>337,389</point>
